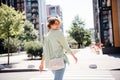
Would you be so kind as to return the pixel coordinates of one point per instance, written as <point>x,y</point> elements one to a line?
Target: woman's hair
<point>52,21</point>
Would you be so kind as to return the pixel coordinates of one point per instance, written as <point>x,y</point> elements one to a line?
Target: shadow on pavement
<point>116,55</point>
<point>32,59</point>
<point>11,65</point>
<point>20,70</point>
<point>115,69</point>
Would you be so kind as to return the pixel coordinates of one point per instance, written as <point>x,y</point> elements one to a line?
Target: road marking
<point>77,77</point>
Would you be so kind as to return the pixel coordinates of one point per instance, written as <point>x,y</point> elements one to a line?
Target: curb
<point>19,70</point>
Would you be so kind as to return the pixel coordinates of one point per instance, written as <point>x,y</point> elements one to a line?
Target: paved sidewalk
<point>19,62</point>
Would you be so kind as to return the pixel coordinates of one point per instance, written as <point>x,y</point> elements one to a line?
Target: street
<point>107,68</point>
<point>47,75</point>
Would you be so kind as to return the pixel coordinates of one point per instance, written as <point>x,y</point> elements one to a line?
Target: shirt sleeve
<point>63,42</point>
<point>44,45</point>
<point>43,53</point>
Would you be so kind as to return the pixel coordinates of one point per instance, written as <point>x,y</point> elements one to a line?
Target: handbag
<point>56,64</point>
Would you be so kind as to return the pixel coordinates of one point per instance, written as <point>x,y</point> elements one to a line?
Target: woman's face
<point>56,25</point>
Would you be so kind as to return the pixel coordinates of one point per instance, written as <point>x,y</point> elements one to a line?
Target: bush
<point>34,49</point>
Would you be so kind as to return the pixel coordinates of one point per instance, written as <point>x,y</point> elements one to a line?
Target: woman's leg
<point>58,74</point>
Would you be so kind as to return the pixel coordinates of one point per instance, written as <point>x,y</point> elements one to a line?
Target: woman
<point>55,44</point>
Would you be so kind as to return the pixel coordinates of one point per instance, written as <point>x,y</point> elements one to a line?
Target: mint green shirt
<point>55,46</point>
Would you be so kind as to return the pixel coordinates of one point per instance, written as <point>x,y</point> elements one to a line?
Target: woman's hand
<point>75,58</point>
<point>41,68</point>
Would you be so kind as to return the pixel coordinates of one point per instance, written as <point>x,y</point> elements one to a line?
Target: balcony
<point>33,16</point>
<point>28,14</point>
<point>35,22</point>
<point>34,11</point>
<point>34,5</point>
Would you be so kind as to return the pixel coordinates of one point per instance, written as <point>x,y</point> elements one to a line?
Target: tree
<point>10,23</point>
<point>78,32</point>
<point>34,48</point>
<point>29,33</point>
<point>14,43</point>
<point>72,42</point>
<point>87,38</point>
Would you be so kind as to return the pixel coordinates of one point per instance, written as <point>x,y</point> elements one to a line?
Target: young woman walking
<point>54,47</point>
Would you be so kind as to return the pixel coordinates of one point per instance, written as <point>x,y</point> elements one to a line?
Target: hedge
<point>34,49</point>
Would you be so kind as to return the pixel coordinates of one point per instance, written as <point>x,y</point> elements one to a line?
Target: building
<point>107,22</point>
<point>35,11</point>
<point>17,4</point>
<point>43,29</point>
<point>31,9</point>
<point>55,11</point>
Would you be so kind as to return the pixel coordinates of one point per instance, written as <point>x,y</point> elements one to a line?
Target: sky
<point>71,8</point>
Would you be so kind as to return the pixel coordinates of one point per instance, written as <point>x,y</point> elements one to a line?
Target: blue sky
<point>71,8</point>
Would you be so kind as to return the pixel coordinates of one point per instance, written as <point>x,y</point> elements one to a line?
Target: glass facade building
<point>105,22</point>
<point>17,4</point>
<point>32,12</point>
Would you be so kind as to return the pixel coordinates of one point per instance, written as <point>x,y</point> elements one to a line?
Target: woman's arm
<point>65,45</point>
<point>42,64</point>
<point>75,58</point>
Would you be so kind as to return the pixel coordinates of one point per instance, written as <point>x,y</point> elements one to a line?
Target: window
<point>103,3</point>
<point>28,9</point>
<point>52,10</point>
<point>29,15</point>
<point>28,0</point>
<point>33,0</point>
<point>28,3</point>
<point>22,0</point>
<point>34,5</point>
<point>108,3</point>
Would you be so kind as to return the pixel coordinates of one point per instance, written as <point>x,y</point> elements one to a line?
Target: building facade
<point>35,11</point>
<point>55,11</point>
<point>31,9</point>
<point>107,22</point>
<point>43,29</point>
<point>17,4</point>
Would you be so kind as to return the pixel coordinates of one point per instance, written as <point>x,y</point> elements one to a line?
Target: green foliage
<point>13,27</point>
<point>34,49</point>
<point>14,43</point>
<point>29,33</point>
<point>10,21</point>
<point>78,32</point>
<point>71,41</point>
<point>87,38</point>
